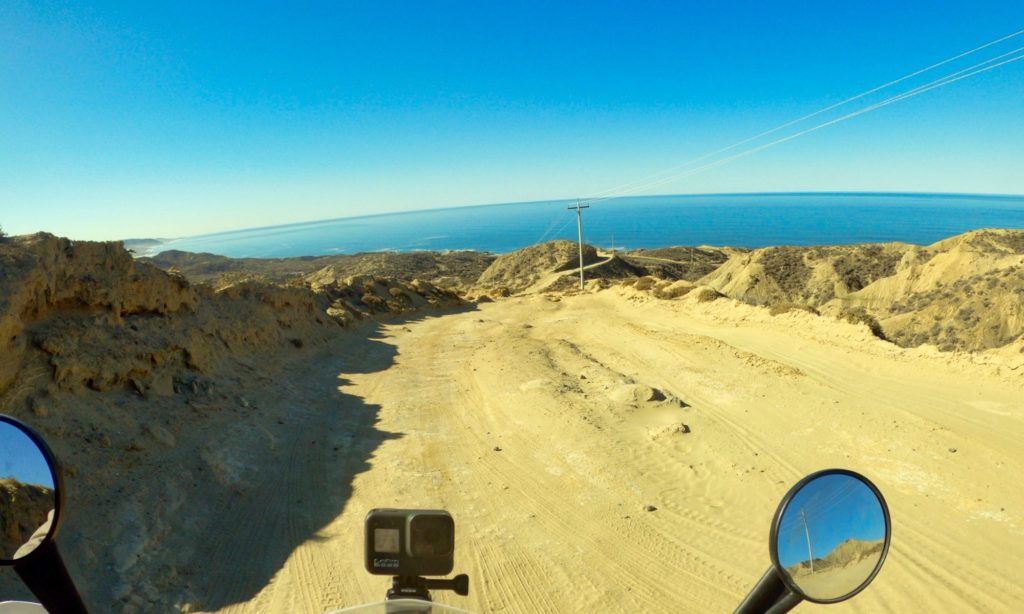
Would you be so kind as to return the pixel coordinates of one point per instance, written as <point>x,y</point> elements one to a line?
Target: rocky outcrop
<point>52,288</point>
<point>91,317</point>
<point>360,296</point>
<point>94,318</point>
<point>962,293</point>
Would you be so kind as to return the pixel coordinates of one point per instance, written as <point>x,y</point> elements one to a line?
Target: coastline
<point>744,220</point>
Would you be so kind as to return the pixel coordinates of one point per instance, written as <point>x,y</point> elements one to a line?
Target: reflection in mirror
<point>27,497</point>
<point>831,536</point>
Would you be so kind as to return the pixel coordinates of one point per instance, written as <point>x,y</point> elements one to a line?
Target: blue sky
<point>21,459</point>
<point>170,119</point>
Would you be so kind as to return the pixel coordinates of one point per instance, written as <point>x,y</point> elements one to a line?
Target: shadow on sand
<point>303,483</point>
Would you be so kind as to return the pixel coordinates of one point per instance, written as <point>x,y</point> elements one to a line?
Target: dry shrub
<point>373,301</point>
<point>858,315</point>
<point>400,295</point>
<point>673,291</point>
<point>645,283</point>
<point>786,266</point>
<point>780,308</point>
<point>860,267</point>
<point>706,295</point>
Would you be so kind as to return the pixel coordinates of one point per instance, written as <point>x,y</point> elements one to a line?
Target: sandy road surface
<point>555,520</point>
<point>837,581</point>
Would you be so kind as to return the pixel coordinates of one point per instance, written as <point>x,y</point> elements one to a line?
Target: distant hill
<point>518,270</point>
<point>554,265</point>
<point>965,292</point>
<point>452,269</point>
<point>689,263</point>
<point>811,275</point>
<point>847,553</point>
<point>962,293</point>
<point>609,268</point>
<point>143,247</point>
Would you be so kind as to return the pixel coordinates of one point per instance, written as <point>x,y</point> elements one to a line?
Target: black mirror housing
<point>31,492</point>
<point>830,535</point>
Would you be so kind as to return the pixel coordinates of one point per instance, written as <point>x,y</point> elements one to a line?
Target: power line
<point>830,499</point>
<point>555,234</point>
<point>941,82</point>
<point>677,173</point>
<point>547,231</point>
<point>579,224</point>
<point>807,532</point>
<point>821,509</point>
<point>658,178</point>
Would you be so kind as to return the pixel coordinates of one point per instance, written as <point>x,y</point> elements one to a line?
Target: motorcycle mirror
<point>31,492</point>
<point>830,535</point>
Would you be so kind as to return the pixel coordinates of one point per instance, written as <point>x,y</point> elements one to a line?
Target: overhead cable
<point>937,83</point>
<point>655,179</point>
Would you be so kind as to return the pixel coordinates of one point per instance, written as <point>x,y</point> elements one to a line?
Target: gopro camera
<point>410,542</point>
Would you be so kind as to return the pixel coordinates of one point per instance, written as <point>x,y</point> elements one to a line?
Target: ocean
<point>739,220</point>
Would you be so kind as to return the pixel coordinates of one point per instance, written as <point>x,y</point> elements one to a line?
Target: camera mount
<point>416,587</point>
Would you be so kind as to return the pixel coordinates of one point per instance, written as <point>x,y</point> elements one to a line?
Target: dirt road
<point>547,425</point>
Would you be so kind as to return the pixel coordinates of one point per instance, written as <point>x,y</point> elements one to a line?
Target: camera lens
<point>432,536</point>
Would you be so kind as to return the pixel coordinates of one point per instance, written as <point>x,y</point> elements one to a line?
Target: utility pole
<point>807,532</point>
<point>579,227</point>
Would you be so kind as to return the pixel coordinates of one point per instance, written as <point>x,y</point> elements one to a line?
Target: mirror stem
<point>787,603</point>
<point>769,594</point>
<point>44,573</point>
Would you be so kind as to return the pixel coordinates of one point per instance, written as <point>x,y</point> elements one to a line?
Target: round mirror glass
<point>832,536</point>
<point>28,498</point>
